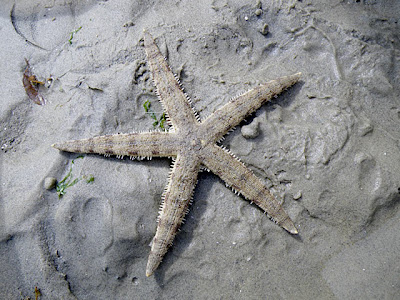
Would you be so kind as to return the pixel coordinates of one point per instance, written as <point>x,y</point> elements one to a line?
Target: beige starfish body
<point>192,144</point>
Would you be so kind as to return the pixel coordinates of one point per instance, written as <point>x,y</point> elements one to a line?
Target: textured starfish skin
<point>193,144</point>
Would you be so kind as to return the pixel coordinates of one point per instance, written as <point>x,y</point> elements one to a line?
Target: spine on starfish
<point>165,190</point>
<point>189,100</point>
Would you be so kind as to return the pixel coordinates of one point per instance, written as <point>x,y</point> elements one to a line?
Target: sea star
<point>193,145</point>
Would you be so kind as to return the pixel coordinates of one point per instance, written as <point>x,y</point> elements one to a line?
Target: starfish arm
<point>176,199</point>
<point>146,144</point>
<point>175,101</point>
<point>243,181</point>
<point>232,113</point>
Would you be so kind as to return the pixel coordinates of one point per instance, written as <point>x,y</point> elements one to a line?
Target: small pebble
<point>258,12</point>
<point>365,128</point>
<point>129,24</point>
<point>250,131</point>
<point>135,280</point>
<point>264,30</point>
<point>297,196</point>
<point>49,183</point>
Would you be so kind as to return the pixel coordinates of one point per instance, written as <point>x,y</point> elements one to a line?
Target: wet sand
<point>328,147</point>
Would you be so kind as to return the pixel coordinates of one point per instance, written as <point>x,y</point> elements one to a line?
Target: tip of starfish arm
<point>151,268</point>
<point>153,262</point>
<point>291,229</point>
<point>295,77</point>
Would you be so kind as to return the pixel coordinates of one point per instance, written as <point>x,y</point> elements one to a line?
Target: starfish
<point>193,145</point>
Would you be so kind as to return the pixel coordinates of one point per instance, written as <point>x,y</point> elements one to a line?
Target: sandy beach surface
<point>329,147</point>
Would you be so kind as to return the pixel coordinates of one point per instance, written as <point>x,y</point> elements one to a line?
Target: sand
<point>329,147</point>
